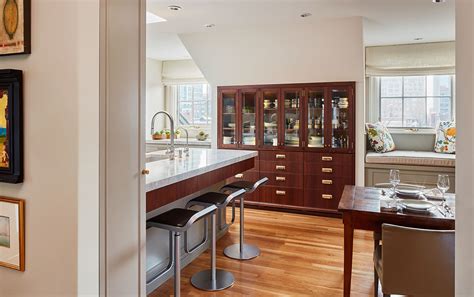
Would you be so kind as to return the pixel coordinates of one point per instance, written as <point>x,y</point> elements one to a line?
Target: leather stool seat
<point>177,217</point>
<point>211,198</point>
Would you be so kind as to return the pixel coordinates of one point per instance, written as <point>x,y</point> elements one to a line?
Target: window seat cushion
<point>415,158</point>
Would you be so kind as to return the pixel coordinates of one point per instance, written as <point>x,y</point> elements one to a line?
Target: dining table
<point>360,208</point>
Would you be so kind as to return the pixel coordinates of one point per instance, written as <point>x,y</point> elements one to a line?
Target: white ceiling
<point>386,21</point>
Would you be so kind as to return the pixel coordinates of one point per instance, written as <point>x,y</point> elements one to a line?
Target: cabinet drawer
<point>282,195</point>
<point>284,179</point>
<point>323,199</point>
<point>281,167</point>
<point>281,156</point>
<point>333,159</point>
<point>325,182</point>
<point>328,170</point>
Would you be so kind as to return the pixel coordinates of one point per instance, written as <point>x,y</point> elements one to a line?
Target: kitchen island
<point>172,183</point>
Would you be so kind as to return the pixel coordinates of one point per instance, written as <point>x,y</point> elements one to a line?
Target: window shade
<point>411,59</point>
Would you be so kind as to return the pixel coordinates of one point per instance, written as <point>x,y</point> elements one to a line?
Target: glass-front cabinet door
<point>341,117</point>
<point>248,118</point>
<point>292,100</point>
<point>315,107</point>
<point>269,105</point>
<point>228,99</point>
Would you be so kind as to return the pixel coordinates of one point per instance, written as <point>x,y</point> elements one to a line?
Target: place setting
<point>415,199</point>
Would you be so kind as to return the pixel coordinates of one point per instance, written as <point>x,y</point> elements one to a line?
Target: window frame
<point>403,97</point>
<point>208,101</point>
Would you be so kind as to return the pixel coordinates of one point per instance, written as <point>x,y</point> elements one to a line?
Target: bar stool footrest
<point>248,252</point>
<point>202,280</point>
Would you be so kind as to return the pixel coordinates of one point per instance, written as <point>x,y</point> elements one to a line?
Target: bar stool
<point>241,250</point>
<point>213,279</point>
<point>177,221</point>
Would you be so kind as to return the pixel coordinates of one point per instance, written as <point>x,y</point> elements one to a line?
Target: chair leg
<point>376,283</point>
<point>177,265</point>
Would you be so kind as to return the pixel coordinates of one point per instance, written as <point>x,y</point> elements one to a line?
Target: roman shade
<point>411,59</point>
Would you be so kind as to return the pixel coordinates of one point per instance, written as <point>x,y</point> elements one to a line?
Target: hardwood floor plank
<point>301,255</point>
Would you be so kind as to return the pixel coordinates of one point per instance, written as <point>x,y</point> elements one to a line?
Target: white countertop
<point>166,172</point>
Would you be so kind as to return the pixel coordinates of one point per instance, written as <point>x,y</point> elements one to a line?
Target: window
<point>194,105</point>
<point>416,101</point>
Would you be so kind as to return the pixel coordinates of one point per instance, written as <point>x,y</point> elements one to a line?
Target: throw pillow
<point>446,138</point>
<point>380,139</point>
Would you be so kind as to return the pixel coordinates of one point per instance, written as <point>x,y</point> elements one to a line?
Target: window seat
<point>413,158</point>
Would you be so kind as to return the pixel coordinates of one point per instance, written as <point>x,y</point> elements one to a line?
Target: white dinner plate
<point>408,191</point>
<point>416,205</point>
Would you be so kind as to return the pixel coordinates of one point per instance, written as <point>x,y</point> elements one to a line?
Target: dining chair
<point>415,262</point>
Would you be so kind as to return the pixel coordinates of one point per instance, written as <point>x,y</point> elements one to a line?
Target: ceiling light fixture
<point>418,38</point>
<point>305,15</point>
<point>209,25</point>
<point>174,7</point>
<point>153,18</point>
<point>439,1</point>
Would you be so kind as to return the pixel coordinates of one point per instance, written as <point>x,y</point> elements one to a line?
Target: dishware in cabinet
<point>248,118</point>
<point>342,110</point>
<point>316,106</point>
<point>228,128</point>
<point>292,117</point>
<point>270,132</point>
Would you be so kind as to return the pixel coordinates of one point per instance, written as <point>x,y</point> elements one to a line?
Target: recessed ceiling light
<point>439,1</point>
<point>174,7</point>
<point>153,18</point>
<point>305,15</point>
<point>209,25</point>
<point>418,38</point>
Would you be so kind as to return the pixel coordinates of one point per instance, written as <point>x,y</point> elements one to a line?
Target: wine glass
<point>443,185</point>
<point>394,180</point>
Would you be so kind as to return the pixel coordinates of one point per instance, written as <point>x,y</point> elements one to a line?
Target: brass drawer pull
<point>280,156</point>
<point>327,181</point>
<point>326,196</point>
<point>280,167</point>
<point>239,176</point>
<point>326,158</point>
<point>280,193</point>
<point>280,178</point>
<point>326,170</point>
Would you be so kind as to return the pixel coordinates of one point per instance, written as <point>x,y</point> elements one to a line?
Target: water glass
<point>443,185</point>
<point>394,180</point>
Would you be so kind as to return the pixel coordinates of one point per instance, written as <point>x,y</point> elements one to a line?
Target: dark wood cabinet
<point>305,135</point>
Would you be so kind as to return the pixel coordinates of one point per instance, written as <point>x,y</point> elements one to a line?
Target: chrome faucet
<point>171,147</point>
<point>186,148</point>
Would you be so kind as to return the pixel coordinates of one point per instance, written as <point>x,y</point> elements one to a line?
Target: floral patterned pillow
<point>380,139</point>
<point>446,138</point>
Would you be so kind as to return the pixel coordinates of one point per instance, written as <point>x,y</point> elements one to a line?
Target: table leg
<point>348,247</point>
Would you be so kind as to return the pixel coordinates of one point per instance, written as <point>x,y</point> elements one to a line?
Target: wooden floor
<point>302,255</point>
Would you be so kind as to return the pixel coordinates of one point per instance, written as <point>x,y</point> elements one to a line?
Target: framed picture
<point>11,126</point>
<point>15,27</point>
<point>12,233</point>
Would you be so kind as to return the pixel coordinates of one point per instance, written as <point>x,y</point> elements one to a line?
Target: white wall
<point>61,95</point>
<point>155,94</point>
<point>332,50</point>
<point>464,148</point>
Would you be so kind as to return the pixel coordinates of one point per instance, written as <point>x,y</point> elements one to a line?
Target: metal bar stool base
<point>202,280</point>
<point>248,252</point>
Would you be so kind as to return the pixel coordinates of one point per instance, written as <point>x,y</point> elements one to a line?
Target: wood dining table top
<point>366,201</point>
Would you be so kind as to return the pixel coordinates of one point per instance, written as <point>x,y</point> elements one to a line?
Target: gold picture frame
<point>12,233</point>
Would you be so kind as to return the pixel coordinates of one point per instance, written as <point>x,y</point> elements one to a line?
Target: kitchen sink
<point>154,158</point>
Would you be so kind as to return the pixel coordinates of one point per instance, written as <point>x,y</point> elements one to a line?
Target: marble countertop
<point>166,172</point>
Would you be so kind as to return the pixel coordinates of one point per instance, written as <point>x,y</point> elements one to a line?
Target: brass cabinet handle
<point>280,156</point>
<point>280,167</point>
<point>327,181</point>
<point>239,176</point>
<point>326,196</point>
<point>145,171</point>
<point>280,193</point>
<point>326,158</point>
<point>326,170</point>
<point>280,178</point>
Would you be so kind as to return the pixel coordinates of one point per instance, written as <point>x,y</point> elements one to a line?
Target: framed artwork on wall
<point>12,233</point>
<point>15,27</point>
<point>11,126</point>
